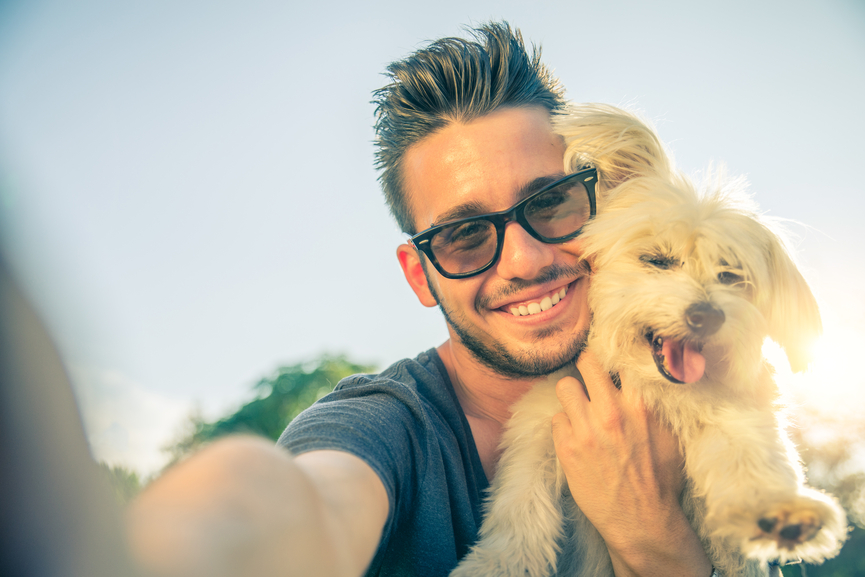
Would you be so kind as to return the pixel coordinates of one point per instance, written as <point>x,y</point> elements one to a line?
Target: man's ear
<point>409,260</point>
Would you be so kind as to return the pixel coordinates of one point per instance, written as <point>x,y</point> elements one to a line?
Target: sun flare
<point>834,382</point>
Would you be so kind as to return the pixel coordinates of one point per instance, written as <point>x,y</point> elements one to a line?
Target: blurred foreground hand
<point>222,512</point>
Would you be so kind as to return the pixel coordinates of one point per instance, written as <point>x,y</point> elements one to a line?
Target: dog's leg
<point>749,475</point>
<point>726,558</point>
<point>523,522</point>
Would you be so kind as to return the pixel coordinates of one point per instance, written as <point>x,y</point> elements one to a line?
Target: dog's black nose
<point>704,319</point>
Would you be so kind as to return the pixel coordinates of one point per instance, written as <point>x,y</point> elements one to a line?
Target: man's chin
<point>532,363</point>
<point>535,361</point>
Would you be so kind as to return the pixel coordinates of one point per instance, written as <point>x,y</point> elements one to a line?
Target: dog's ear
<point>618,143</point>
<point>790,306</point>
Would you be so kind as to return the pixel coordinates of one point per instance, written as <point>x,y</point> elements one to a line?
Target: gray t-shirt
<point>407,424</point>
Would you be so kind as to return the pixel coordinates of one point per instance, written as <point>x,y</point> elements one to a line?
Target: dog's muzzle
<point>682,361</point>
<point>704,319</point>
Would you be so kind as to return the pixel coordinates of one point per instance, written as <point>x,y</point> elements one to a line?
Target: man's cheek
<point>573,247</point>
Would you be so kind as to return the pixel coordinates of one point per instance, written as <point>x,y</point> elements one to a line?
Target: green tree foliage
<point>279,398</point>
<point>123,481</point>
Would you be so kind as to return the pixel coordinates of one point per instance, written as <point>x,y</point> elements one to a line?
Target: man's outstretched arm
<point>243,507</point>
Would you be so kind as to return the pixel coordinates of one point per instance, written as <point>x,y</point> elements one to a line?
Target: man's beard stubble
<point>495,356</point>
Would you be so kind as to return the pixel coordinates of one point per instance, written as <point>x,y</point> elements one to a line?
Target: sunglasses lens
<point>554,215</point>
<point>560,212</point>
<point>465,247</point>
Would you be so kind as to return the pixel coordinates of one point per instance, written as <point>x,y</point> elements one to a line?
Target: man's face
<point>484,166</point>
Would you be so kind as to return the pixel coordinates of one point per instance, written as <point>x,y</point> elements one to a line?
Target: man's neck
<point>486,397</point>
<point>483,393</point>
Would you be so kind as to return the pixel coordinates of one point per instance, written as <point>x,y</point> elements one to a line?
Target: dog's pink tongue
<point>684,362</point>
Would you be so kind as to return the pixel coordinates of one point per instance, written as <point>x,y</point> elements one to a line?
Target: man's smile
<point>538,304</point>
<point>528,301</point>
<point>541,305</point>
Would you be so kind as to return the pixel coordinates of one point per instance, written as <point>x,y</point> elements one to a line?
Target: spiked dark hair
<point>453,80</point>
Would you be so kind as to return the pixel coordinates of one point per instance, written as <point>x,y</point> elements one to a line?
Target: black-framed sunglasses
<point>554,214</point>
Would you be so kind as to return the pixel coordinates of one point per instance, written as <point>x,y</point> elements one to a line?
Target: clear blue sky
<point>187,188</point>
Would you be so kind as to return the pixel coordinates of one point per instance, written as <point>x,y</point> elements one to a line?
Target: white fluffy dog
<point>686,287</point>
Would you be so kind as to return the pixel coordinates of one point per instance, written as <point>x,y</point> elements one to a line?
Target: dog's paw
<point>789,526</point>
<point>810,526</point>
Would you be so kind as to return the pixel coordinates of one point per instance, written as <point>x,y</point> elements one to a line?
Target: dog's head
<point>697,280</point>
<point>693,280</point>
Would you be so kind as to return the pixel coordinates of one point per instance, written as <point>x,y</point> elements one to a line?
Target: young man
<point>386,476</point>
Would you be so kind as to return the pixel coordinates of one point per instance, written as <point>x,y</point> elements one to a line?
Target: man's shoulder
<point>419,374</point>
<point>409,404</point>
<point>419,386</point>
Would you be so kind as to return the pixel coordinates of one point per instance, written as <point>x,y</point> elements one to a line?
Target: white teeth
<point>534,308</point>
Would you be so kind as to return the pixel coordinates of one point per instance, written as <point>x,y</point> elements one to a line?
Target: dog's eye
<point>728,277</point>
<point>658,261</point>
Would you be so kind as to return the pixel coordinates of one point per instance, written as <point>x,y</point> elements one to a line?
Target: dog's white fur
<point>658,246</point>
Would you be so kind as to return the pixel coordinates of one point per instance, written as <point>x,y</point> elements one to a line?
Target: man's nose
<point>523,256</point>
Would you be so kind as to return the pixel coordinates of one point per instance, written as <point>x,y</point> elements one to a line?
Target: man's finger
<point>562,428</point>
<point>599,385</point>
<point>572,395</point>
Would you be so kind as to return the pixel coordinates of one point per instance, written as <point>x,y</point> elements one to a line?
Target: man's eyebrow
<point>465,210</point>
<point>474,208</point>
<point>538,184</point>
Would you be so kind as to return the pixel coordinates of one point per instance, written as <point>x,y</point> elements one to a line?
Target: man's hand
<point>624,470</point>
<point>243,507</point>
